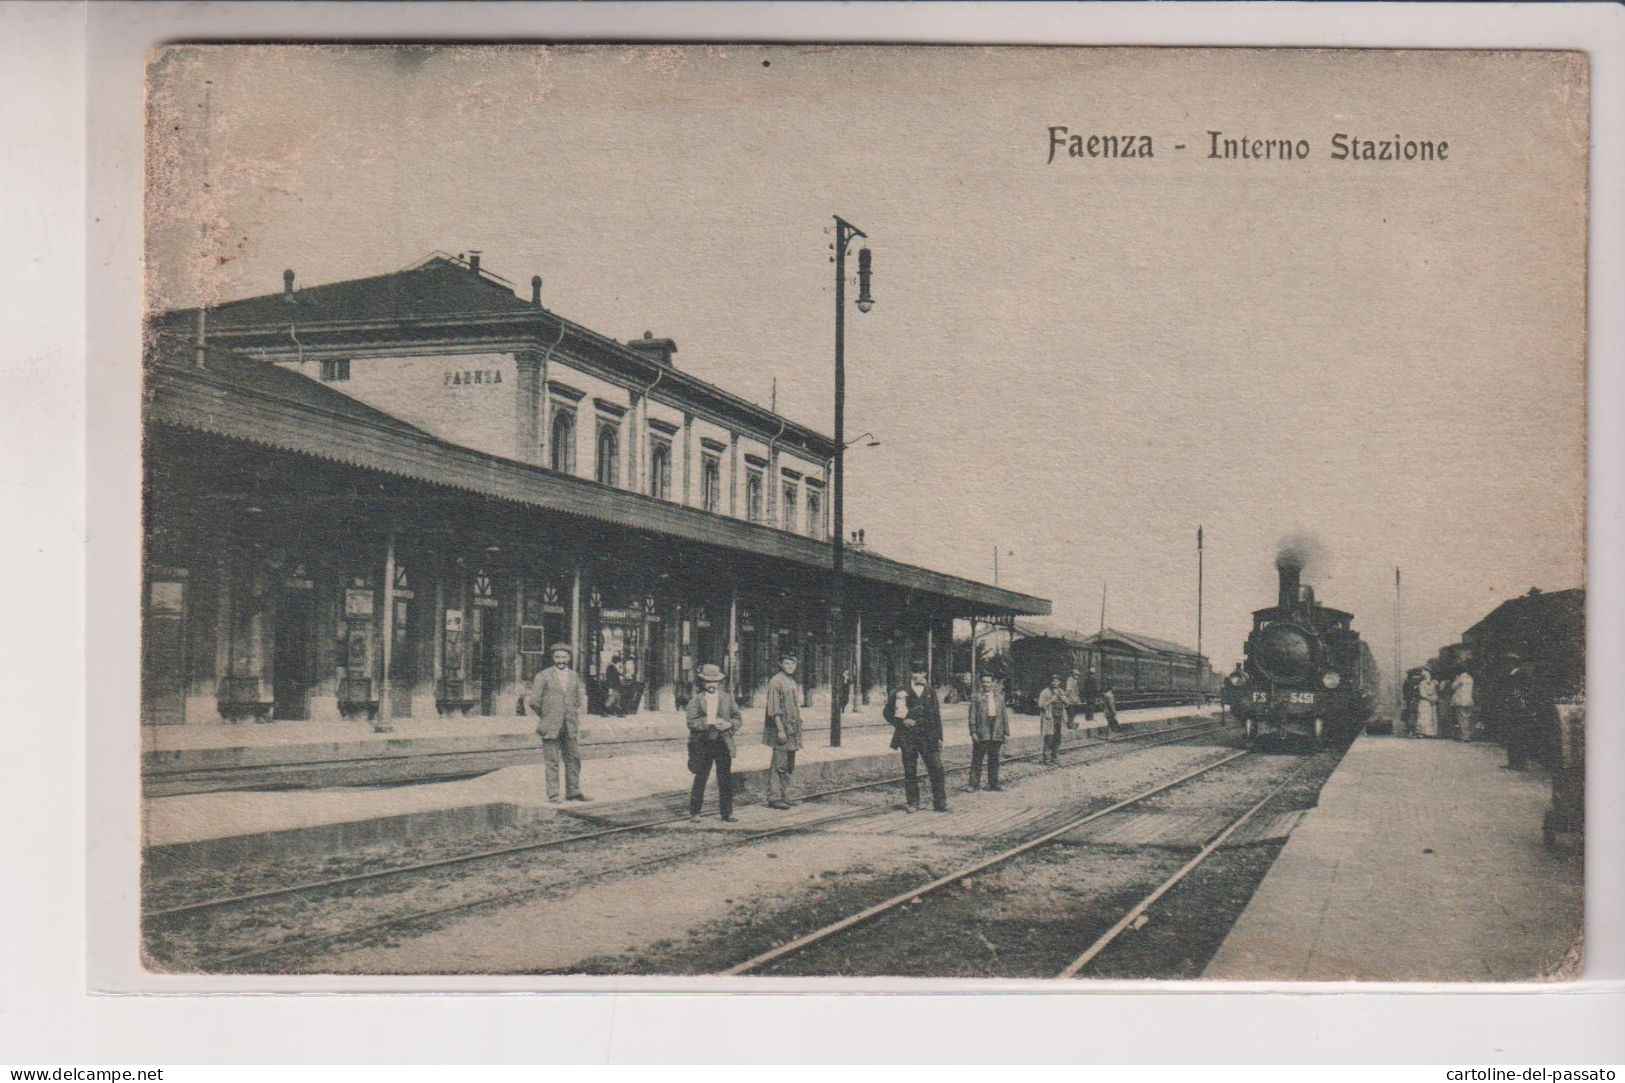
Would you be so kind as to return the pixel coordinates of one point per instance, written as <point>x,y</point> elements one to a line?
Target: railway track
<point>909,902</point>
<point>1211,847</point>
<point>306,892</point>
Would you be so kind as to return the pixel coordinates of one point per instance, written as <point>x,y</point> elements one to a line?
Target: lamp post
<point>845,232</point>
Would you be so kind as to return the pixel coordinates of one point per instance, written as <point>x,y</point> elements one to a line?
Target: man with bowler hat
<point>713,719</point>
<point>916,720</point>
<point>782,730</point>
<point>558,698</point>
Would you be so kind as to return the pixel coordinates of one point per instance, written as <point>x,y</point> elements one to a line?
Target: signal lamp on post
<point>865,301</point>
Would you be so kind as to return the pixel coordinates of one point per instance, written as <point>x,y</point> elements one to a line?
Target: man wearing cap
<point>1091,692</point>
<point>713,719</point>
<point>989,728</point>
<point>916,720</point>
<point>557,699</point>
<point>782,731</point>
<point>1051,720</point>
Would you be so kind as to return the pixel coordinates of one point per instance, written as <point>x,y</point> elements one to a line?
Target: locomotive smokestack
<point>1289,585</point>
<point>1294,553</point>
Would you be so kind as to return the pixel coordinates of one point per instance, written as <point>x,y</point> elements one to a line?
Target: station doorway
<point>403,660</point>
<point>292,656</point>
<point>484,662</point>
<point>163,667</point>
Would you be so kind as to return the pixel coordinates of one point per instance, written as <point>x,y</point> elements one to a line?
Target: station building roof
<point>256,403</point>
<point>447,298</point>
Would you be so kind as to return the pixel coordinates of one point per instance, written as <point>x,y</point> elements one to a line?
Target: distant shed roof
<point>1134,640</point>
<point>226,367</point>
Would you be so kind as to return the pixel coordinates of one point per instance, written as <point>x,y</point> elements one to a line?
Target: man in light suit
<point>989,728</point>
<point>558,698</point>
<point>713,719</point>
<point>781,730</point>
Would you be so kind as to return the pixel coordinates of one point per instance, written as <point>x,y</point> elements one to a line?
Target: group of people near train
<point>1506,702</point>
<point>558,699</point>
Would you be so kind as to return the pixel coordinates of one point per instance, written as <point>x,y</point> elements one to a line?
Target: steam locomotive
<point>1307,672</point>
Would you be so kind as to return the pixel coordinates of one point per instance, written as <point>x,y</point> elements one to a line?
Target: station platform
<point>1423,862</point>
<point>286,743</point>
<point>218,828</point>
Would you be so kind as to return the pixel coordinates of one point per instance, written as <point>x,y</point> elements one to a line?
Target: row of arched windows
<point>607,471</point>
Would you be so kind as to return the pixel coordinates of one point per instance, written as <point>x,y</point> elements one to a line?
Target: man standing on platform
<point>612,688</point>
<point>1462,698</point>
<point>557,699</point>
<point>989,728</point>
<point>916,720</point>
<point>1091,689</point>
<point>782,732</point>
<point>713,719</point>
<point>1051,720</point>
<point>1524,720</point>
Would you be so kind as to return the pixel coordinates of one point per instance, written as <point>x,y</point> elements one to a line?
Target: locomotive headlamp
<point>1332,680</point>
<point>865,302</point>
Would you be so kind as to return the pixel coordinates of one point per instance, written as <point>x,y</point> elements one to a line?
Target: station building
<point>386,497</point>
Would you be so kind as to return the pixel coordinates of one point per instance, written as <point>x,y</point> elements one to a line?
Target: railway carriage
<point>1307,673</point>
<point>1141,671</point>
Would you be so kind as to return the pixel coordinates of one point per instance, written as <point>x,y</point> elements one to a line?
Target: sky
<point>1075,362</point>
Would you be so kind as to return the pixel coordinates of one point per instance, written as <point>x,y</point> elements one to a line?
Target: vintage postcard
<point>669,512</point>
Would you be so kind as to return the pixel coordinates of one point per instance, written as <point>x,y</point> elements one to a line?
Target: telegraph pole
<point>1201,688</point>
<point>1399,697</point>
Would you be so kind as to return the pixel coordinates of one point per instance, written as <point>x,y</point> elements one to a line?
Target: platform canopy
<point>255,403</point>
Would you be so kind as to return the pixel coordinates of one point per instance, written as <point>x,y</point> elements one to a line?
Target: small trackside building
<point>386,497</point>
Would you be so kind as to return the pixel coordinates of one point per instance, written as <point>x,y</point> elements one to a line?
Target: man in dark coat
<point>612,688</point>
<point>713,719</point>
<point>1091,690</point>
<point>1409,696</point>
<point>916,720</point>
<point>1524,715</point>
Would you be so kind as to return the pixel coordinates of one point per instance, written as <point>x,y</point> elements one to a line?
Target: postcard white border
<point>1090,1022</point>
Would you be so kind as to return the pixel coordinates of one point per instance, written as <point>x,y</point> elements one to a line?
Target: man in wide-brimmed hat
<point>557,699</point>
<point>713,719</point>
<point>782,730</point>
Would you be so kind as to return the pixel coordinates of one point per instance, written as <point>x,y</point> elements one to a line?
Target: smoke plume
<point>1298,552</point>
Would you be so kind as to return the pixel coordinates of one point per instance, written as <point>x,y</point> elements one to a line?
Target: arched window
<point>711,483</point>
<point>660,470</point>
<point>563,437</point>
<point>609,452</point>
<point>791,497</point>
<point>753,496</point>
